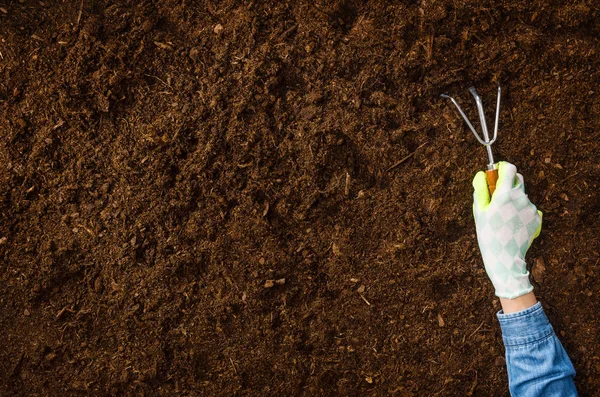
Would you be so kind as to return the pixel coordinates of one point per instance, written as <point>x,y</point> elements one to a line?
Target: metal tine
<point>497,115</point>
<point>479,103</point>
<point>486,140</point>
<point>464,116</point>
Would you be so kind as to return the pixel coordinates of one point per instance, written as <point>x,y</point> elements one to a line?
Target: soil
<point>207,197</point>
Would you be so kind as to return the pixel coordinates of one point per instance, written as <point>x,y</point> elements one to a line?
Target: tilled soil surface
<point>271,198</point>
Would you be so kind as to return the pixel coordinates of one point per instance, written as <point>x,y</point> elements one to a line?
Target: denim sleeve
<point>536,360</point>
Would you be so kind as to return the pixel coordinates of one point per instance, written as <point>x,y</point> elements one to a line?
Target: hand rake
<point>491,172</point>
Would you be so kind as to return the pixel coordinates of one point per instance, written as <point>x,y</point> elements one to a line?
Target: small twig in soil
<point>79,15</point>
<point>477,329</point>
<point>365,299</point>
<point>285,34</point>
<point>473,386</point>
<point>159,79</point>
<point>571,176</point>
<point>347,187</point>
<point>63,310</point>
<point>405,158</point>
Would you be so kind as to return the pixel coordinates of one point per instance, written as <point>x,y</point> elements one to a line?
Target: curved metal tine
<point>497,116</point>
<point>464,116</point>
<point>484,130</point>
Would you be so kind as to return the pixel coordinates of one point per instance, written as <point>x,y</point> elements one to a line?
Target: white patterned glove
<point>506,227</point>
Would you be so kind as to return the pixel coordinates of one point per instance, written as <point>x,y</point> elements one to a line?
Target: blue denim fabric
<point>536,360</point>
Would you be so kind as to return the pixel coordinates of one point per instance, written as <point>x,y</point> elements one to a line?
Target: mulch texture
<point>207,197</point>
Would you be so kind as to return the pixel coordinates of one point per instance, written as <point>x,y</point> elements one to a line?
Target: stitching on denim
<point>522,345</point>
<point>512,316</point>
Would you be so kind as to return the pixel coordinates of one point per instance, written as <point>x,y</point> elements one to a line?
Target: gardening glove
<point>506,226</point>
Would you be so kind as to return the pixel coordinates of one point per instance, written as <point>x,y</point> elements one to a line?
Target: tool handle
<point>492,178</point>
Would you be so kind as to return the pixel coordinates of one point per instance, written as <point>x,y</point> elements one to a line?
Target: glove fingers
<point>506,176</point>
<point>481,195</point>
<point>539,228</point>
<point>507,216</point>
<point>519,183</point>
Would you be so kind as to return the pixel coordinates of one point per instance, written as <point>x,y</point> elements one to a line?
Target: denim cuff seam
<point>530,311</point>
<point>527,341</point>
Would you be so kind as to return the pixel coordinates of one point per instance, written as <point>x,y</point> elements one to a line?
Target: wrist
<point>519,303</point>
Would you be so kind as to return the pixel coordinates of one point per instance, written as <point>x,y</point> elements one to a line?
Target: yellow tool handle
<point>492,178</point>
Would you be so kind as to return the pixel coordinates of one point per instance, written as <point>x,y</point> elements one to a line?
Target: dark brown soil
<point>163,167</point>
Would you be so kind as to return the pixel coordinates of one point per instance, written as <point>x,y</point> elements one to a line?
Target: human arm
<point>507,223</point>
<point>536,361</point>
<point>517,304</point>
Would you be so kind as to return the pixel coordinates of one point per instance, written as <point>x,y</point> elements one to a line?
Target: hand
<point>506,226</point>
